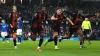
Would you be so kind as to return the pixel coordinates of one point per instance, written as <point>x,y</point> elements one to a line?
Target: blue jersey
<point>4,27</point>
<point>20,24</point>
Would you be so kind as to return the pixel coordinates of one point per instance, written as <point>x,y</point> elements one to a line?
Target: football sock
<point>14,41</point>
<point>55,41</point>
<point>40,42</point>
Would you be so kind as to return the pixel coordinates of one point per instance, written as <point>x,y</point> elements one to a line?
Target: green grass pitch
<point>67,48</point>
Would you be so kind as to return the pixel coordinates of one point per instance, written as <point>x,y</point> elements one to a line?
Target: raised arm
<point>70,21</point>
<point>53,18</point>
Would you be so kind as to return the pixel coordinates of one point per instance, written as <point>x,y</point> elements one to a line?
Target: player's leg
<point>80,34</point>
<point>55,36</point>
<point>13,35</point>
<point>40,41</point>
<point>34,33</point>
<point>49,40</point>
<point>33,38</point>
<point>88,36</point>
<point>66,36</point>
<point>3,39</point>
<point>6,38</point>
<point>19,39</point>
<point>14,39</point>
<point>84,36</point>
<point>19,35</point>
<point>3,36</point>
<point>55,28</point>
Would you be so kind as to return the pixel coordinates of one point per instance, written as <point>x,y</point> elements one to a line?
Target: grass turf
<point>67,48</point>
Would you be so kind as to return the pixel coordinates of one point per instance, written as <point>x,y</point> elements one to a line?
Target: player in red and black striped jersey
<point>76,28</point>
<point>57,18</point>
<point>37,26</point>
<point>13,23</point>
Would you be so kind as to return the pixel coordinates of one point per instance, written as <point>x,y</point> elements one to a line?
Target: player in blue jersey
<point>19,30</point>
<point>4,29</point>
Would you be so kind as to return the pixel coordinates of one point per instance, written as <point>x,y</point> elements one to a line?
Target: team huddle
<point>15,24</point>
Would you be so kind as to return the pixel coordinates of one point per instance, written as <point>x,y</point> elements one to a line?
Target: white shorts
<point>3,34</point>
<point>19,31</point>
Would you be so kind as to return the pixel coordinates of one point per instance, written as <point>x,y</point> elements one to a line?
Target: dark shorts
<point>86,31</point>
<point>37,30</point>
<point>13,29</point>
<point>56,28</point>
<point>73,30</point>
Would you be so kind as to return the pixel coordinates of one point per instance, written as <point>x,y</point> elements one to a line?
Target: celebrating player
<point>13,24</point>
<point>37,27</point>
<point>76,28</point>
<point>57,18</point>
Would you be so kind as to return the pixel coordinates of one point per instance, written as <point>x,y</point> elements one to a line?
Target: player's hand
<point>54,19</point>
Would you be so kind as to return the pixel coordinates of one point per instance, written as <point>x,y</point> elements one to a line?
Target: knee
<point>14,38</point>
<point>80,32</point>
<point>55,34</point>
